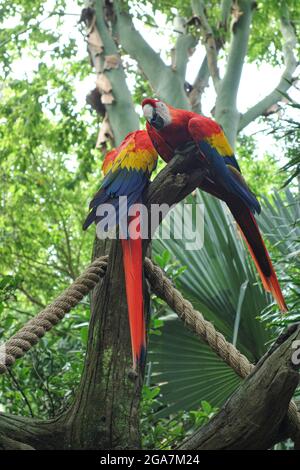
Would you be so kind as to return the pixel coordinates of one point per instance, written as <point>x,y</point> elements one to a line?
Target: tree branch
<point>134,43</point>
<point>209,41</point>
<point>10,444</point>
<point>121,113</point>
<point>176,180</point>
<point>30,432</point>
<point>199,85</point>
<point>226,111</point>
<point>254,416</point>
<point>225,14</point>
<point>289,46</point>
<point>69,252</point>
<point>167,83</point>
<point>30,297</point>
<point>184,44</point>
<point>21,391</point>
<point>238,47</point>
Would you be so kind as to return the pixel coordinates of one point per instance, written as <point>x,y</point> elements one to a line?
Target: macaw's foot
<point>132,374</point>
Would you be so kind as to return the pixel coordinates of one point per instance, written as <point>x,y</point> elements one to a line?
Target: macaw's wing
<point>224,169</point>
<point>128,176</point>
<point>164,149</point>
<point>121,182</point>
<point>109,160</point>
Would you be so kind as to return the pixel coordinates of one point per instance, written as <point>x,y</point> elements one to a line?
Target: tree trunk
<point>105,412</point>
<point>254,416</point>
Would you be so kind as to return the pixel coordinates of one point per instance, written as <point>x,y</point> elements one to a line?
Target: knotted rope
<point>33,330</point>
<point>44,321</point>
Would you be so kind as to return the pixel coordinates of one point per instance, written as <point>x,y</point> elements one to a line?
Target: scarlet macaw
<point>127,170</point>
<point>169,129</point>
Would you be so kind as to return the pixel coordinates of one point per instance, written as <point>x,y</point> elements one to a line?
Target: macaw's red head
<point>157,113</point>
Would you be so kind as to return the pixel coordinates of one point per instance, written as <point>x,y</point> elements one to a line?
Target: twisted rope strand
<point>164,289</point>
<point>44,321</point>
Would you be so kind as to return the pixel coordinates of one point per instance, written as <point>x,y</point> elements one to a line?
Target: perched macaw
<point>127,170</point>
<point>169,129</point>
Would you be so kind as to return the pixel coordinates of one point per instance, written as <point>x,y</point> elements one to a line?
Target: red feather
<point>132,261</point>
<point>252,236</point>
<point>257,249</point>
<point>138,143</point>
<point>160,144</point>
<point>109,160</point>
<point>167,139</point>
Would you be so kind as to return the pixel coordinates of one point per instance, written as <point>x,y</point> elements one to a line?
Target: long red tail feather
<point>132,261</point>
<point>257,249</point>
<point>251,234</point>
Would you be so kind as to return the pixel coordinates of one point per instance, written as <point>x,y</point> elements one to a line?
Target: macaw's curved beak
<point>157,121</point>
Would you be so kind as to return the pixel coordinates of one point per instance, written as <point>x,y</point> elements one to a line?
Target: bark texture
<point>253,417</point>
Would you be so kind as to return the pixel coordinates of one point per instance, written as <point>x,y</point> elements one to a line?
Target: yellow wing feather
<point>220,143</point>
<point>131,158</point>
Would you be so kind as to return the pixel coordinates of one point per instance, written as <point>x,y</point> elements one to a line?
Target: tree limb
<point>184,43</point>
<point>254,416</point>
<point>289,47</point>
<point>121,113</point>
<point>209,41</point>
<point>161,77</point>
<point>30,297</point>
<point>226,110</point>
<point>238,47</point>
<point>134,43</point>
<point>10,444</point>
<point>225,14</point>
<point>199,85</point>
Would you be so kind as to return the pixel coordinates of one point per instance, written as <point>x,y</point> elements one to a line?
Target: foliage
<point>265,38</point>
<point>256,169</point>
<point>286,130</point>
<point>282,225</point>
<point>30,28</point>
<point>42,384</point>
<point>221,282</point>
<point>167,433</point>
<point>47,173</point>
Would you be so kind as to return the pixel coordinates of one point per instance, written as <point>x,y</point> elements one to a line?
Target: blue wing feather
<point>231,160</point>
<point>224,176</point>
<point>123,182</point>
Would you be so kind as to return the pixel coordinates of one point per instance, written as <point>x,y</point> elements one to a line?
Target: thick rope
<point>35,329</point>
<point>44,321</point>
<point>164,289</point>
